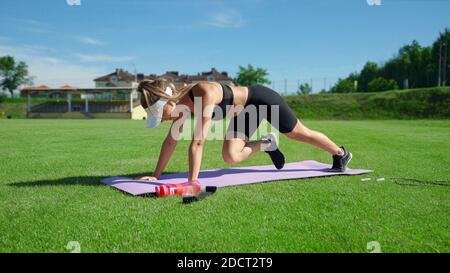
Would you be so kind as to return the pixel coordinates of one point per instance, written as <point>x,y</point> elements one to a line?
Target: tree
<point>381,84</point>
<point>2,97</point>
<point>13,75</point>
<point>427,78</point>
<point>344,86</point>
<point>415,64</point>
<point>368,74</point>
<point>410,57</point>
<point>347,85</point>
<point>444,38</point>
<point>304,89</point>
<point>248,76</point>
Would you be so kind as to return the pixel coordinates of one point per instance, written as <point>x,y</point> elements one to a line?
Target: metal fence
<point>288,87</point>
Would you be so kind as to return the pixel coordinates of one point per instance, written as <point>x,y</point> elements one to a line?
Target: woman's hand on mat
<point>146,178</point>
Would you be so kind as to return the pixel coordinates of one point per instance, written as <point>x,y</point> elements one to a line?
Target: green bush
<point>3,97</point>
<point>14,110</point>
<point>426,103</point>
<point>344,86</point>
<point>381,84</point>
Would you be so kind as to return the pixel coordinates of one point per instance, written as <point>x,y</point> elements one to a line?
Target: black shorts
<point>263,103</point>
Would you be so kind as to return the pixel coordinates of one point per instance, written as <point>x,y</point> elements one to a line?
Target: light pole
<point>440,64</point>
<point>135,72</point>
<point>444,77</point>
<point>132,90</point>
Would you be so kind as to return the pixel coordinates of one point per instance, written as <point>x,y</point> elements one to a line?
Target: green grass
<point>423,103</point>
<point>50,192</point>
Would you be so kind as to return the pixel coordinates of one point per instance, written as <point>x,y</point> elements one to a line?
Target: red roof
<point>37,88</point>
<point>66,86</point>
<point>120,74</point>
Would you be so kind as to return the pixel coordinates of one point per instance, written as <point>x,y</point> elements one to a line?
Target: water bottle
<point>187,188</point>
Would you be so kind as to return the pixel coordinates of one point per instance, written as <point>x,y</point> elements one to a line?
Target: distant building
<point>118,78</point>
<point>73,102</point>
<point>114,95</point>
<point>121,78</point>
<point>212,75</point>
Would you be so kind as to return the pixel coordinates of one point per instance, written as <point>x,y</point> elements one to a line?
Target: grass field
<point>421,103</point>
<point>50,192</point>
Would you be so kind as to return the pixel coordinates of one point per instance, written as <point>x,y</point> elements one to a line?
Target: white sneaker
<point>273,140</point>
<point>273,150</point>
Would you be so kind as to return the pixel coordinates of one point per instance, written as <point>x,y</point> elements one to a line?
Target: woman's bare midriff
<point>240,95</point>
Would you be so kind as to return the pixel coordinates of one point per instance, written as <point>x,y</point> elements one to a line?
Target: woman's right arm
<point>165,154</point>
<point>167,149</point>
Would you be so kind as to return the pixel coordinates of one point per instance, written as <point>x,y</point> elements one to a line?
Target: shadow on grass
<point>71,181</point>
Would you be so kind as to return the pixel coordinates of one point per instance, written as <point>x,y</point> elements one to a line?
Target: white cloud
<point>33,26</point>
<point>52,71</point>
<point>226,18</point>
<point>5,39</point>
<point>33,29</point>
<point>103,58</point>
<point>90,41</point>
<point>30,22</point>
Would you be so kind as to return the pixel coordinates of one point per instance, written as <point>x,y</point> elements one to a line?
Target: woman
<point>161,99</point>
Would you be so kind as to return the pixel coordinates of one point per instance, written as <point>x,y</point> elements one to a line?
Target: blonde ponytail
<point>153,90</point>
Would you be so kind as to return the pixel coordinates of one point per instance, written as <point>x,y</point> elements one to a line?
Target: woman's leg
<point>341,157</point>
<point>236,150</point>
<point>236,146</point>
<point>304,134</point>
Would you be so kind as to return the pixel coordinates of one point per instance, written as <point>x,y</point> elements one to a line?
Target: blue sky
<point>292,39</point>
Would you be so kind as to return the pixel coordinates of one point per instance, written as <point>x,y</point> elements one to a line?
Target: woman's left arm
<point>199,137</point>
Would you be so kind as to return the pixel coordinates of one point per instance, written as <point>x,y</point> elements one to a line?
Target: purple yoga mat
<point>232,176</point>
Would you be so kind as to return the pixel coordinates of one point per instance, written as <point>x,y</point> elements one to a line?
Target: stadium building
<point>114,95</point>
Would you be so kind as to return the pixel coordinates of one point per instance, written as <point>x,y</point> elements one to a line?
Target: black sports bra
<point>227,100</point>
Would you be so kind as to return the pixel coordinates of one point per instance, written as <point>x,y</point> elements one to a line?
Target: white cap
<point>155,111</point>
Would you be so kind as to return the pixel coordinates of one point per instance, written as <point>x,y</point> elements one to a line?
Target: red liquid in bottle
<point>187,188</point>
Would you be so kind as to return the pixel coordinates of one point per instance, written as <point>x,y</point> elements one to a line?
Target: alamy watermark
<point>73,2</point>
<point>74,247</point>
<point>374,247</point>
<point>243,120</point>
<point>374,2</point>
